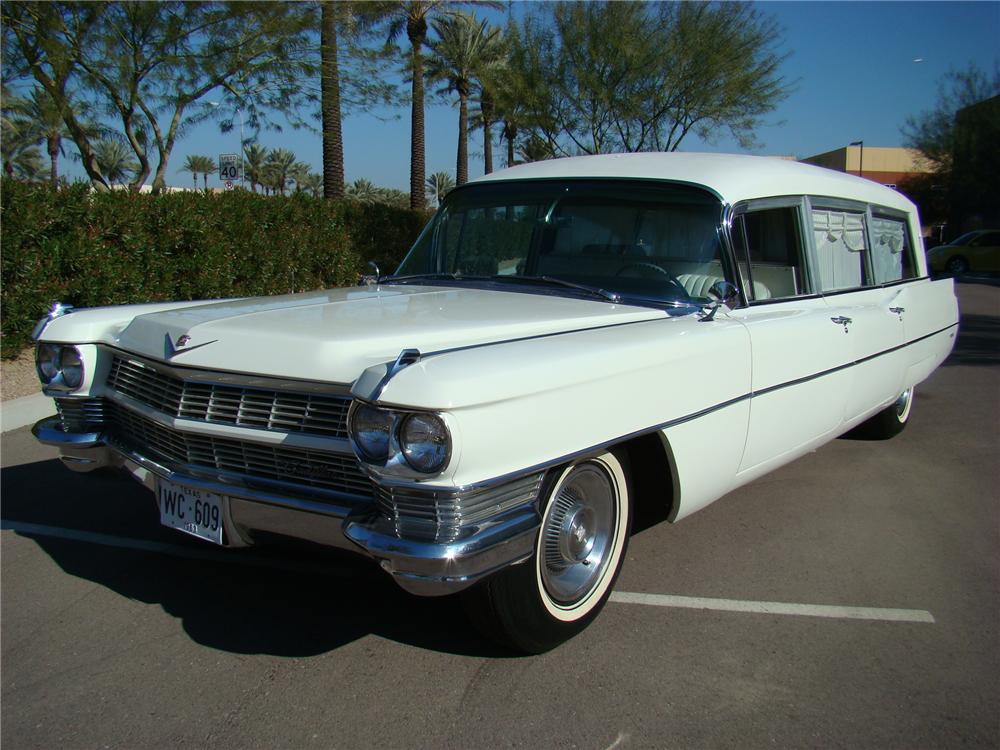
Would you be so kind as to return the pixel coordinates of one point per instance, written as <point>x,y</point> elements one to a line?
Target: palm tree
<point>413,17</point>
<point>206,166</point>
<point>115,160</point>
<point>329,82</point>
<point>438,185</point>
<point>46,124</point>
<point>21,158</point>
<point>279,162</point>
<point>535,148</point>
<point>254,156</point>
<point>199,165</point>
<point>465,46</point>
<point>363,190</point>
<point>17,145</point>
<point>491,77</point>
<point>312,183</point>
<point>191,165</point>
<point>299,173</point>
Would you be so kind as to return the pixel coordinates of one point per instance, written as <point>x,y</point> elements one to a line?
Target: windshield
<point>631,240</point>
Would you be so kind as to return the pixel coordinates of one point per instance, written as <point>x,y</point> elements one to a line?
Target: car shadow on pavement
<point>978,341</point>
<point>237,603</point>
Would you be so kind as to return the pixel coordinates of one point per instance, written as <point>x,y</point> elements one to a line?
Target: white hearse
<point>567,343</point>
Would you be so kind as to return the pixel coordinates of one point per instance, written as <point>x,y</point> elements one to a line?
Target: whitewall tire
<point>586,517</point>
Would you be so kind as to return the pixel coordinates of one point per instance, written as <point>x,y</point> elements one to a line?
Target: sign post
<point>229,168</point>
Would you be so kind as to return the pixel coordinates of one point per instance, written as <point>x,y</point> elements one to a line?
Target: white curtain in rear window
<point>888,245</point>
<point>840,246</point>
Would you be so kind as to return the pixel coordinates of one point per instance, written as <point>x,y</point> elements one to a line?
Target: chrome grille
<point>262,408</point>
<point>441,517</point>
<point>329,471</point>
<point>80,414</point>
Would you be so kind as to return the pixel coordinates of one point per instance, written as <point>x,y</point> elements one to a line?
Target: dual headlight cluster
<point>59,366</point>
<point>398,439</point>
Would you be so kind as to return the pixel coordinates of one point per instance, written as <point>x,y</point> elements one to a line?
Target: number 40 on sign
<point>229,167</point>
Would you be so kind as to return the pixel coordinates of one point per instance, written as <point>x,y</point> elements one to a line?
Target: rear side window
<point>840,249</point>
<point>891,254</point>
<point>770,258</point>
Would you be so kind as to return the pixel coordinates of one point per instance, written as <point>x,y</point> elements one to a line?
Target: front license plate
<point>195,511</point>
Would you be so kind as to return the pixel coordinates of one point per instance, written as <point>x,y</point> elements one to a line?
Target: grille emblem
<point>183,340</point>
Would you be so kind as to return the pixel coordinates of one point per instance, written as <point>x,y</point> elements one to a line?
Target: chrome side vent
<point>81,414</point>
<point>443,517</point>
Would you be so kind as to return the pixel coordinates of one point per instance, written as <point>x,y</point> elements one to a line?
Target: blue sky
<point>853,64</point>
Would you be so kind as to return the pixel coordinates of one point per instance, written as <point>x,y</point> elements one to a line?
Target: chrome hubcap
<point>902,402</point>
<point>578,533</point>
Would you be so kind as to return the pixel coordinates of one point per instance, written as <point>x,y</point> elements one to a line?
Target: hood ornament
<point>171,349</point>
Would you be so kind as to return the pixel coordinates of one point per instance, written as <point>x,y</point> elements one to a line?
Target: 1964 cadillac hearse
<point>567,342</point>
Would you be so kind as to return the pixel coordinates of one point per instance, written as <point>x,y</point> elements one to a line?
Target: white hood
<point>334,335</point>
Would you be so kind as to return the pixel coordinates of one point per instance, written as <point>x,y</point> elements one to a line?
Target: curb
<point>24,411</point>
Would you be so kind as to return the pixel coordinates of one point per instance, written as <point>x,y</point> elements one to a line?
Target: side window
<point>892,255</point>
<point>840,249</point>
<point>770,259</point>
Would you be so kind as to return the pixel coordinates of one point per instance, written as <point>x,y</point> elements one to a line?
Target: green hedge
<point>92,249</point>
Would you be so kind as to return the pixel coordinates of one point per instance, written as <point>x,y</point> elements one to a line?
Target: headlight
<point>71,364</point>
<point>371,429</point>
<point>400,443</point>
<point>59,366</point>
<point>425,442</point>
<point>47,362</point>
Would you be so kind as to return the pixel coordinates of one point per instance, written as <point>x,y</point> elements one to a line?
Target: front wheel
<point>957,265</point>
<point>586,520</point>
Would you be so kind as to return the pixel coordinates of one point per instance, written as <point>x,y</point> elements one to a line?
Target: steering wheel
<point>646,265</point>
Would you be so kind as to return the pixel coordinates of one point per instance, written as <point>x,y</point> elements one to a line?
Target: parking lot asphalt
<point>119,633</point>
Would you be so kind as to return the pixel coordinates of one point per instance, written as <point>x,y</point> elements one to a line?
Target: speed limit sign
<point>229,167</point>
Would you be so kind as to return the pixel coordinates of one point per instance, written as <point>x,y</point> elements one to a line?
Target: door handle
<point>897,310</point>
<point>842,320</point>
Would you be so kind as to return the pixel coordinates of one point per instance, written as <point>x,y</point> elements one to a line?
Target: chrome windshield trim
<point>570,291</point>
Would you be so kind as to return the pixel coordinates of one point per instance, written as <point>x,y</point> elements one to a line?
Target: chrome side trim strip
<point>594,449</point>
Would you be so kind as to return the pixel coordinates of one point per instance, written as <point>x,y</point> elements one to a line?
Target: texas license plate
<point>191,510</point>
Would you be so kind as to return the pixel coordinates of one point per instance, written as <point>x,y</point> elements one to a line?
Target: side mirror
<point>721,293</point>
<point>724,293</point>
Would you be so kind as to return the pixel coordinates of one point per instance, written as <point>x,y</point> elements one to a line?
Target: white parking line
<point>775,608</point>
<point>621,597</point>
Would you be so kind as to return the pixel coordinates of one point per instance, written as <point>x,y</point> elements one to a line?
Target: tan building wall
<point>885,165</point>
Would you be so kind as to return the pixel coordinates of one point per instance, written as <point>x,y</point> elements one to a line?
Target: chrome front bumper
<point>425,568</point>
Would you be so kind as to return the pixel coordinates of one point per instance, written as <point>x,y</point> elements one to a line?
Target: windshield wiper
<point>553,281</point>
<point>422,276</point>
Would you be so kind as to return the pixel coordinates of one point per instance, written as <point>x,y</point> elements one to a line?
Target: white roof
<point>732,177</point>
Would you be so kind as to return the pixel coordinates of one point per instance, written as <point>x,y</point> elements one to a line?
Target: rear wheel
<point>889,422</point>
<point>586,519</point>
